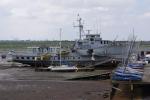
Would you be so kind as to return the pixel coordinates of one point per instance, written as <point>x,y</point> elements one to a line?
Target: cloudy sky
<point>41,19</point>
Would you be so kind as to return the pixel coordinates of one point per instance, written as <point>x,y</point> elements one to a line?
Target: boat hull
<point>34,63</point>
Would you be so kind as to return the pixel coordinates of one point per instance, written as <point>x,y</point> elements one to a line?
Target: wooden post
<point>35,59</point>
<point>132,91</point>
<point>41,60</point>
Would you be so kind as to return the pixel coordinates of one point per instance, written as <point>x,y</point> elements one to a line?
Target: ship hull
<point>48,63</point>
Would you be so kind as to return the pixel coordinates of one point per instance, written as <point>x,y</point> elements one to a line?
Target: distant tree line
<point>23,44</point>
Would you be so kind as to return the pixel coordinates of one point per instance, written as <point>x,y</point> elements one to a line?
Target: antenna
<point>99,25</point>
<point>116,38</point>
<point>133,30</point>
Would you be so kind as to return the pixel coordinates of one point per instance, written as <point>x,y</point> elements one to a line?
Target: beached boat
<point>62,68</point>
<point>129,71</point>
<point>89,50</point>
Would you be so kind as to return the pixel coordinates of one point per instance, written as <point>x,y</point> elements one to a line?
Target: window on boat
<point>106,42</point>
<point>39,50</point>
<point>73,57</point>
<point>93,36</point>
<point>28,57</point>
<point>57,50</point>
<point>50,50</point>
<point>91,39</point>
<point>33,58</point>
<point>22,57</point>
<point>101,42</point>
<point>17,57</point>
<point>79,43</point>
<point>34,50</point>
<point>42,50</point>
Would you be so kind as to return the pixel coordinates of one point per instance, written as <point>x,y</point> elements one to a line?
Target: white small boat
<point>63,68</point>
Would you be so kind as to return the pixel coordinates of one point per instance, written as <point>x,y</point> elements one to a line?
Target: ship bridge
<point>93,37</point>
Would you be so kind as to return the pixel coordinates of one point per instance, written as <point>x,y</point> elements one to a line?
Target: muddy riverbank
<point>25,84</point>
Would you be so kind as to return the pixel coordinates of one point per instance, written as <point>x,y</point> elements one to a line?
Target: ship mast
<point>80,26</point>
<point>60,46</point>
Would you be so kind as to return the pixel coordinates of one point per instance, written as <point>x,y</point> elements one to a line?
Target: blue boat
<point>120,74</point>
<point>136,65</point>
<point>129,70</point>
<point>126,77</point>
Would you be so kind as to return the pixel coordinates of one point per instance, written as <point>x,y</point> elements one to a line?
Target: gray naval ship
<point>87,50</point>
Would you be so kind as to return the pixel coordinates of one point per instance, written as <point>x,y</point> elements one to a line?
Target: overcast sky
<point>41,19</point>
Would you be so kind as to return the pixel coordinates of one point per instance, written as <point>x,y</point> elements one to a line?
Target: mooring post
<point>35,59</point>
<point>132,90</point>
<point>114,87</point>
<point>131,87</point>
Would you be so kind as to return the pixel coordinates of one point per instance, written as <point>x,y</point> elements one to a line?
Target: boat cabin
<point>91,41</point>
<point>41,50</point>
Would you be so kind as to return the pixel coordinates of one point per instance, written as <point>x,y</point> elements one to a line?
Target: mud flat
<point>26,84</point>
<point>53,90</point>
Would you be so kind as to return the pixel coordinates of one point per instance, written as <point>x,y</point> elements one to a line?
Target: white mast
<point>60,46</point>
